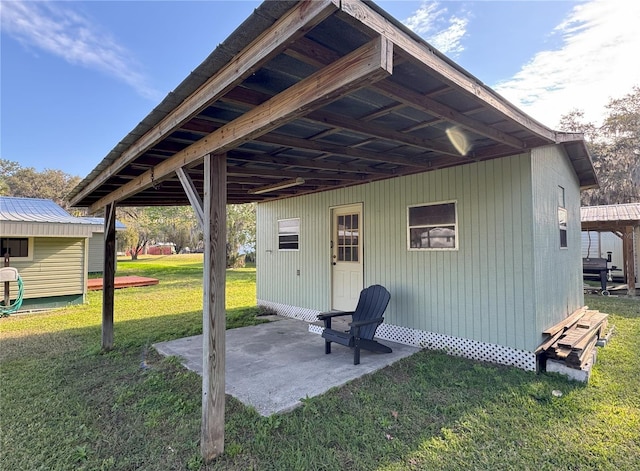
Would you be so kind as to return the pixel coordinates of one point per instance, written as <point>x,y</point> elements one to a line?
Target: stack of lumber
<point>572,341</point>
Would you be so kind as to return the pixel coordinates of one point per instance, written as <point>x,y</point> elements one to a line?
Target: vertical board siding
<point>95,254</point>
<point>481,291</point>
<point>558,272</point>
<point>57,268</point>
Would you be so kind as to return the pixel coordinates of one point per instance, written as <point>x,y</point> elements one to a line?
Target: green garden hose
<point>13,307</point>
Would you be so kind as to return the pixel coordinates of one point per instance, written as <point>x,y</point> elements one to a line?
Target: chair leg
<point>356,352</point>
<point>327,347</point>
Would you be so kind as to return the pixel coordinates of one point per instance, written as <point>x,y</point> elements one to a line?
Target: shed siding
<point>558,271</point>
<point>480,291</point>
<point>95,260</point>
<point>57,268</point>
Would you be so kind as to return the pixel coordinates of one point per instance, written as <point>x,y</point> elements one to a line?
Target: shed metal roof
<point>17,209</point>
<point>330,93</point>
<point>36,217</point>
<point>611,215</point>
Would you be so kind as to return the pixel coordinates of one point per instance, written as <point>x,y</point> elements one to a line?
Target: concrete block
<point>575,374</point>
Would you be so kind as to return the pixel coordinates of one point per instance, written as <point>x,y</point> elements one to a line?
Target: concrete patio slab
<point>271,367</point>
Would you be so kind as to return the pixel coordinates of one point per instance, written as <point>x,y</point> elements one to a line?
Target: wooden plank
<point>108,276</point>
<point>448,114</point>
<point>367,64</point>
<point>567,322</point>
<point>310,51</point>
<point>295,23</point>
<point>213,312</point>
<point>549,342</point>
<point>192,194</point>
<point>441,67</point>
<point>573,336</point>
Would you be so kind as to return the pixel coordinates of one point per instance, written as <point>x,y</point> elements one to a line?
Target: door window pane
<point>348,238</point>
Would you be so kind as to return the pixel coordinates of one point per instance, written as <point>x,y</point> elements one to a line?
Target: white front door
<point>346,257</point>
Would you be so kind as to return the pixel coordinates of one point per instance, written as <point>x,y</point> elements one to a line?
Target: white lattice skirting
<point>457,346</point>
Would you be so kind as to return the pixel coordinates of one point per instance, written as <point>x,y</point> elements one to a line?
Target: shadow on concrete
<point>271,367</point>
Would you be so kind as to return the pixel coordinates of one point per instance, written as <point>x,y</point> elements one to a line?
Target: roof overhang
<point>335,93</point>
<point>43,229</point>
<point>612,217</point>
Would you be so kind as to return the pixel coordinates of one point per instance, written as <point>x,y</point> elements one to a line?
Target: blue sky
<point>77,76</point>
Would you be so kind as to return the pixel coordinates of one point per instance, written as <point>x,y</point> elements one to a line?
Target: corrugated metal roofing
<point>629,212</point>
<point>241,102</point>
<point>35,210</point>
<point>100,222</point>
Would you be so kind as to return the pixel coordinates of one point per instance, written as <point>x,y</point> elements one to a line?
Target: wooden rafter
<point>365,65</point>
<point>295,23</point>
<point>315,54</point>
<point>366,17</point>
<point>334,149</point>
<point>311,164</point>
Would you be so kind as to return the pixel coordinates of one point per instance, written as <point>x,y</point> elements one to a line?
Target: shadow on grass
<point>75,408</point>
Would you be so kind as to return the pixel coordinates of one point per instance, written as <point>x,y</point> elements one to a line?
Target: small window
<point>18,248</point>
<point>289,234</point>
<point>562,218</point>
<point>433,227</point>
<point>562,224</point>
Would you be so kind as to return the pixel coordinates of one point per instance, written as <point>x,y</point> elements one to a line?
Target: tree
<point>176,224</point>
<point>241,232</point>
<point>27,182</point>
<point>615,147</point>
<point>145,226</point>
<point>137,233</point>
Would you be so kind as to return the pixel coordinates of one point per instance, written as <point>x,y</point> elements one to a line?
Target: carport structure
<point>624,221</point>
<point>303,97</point>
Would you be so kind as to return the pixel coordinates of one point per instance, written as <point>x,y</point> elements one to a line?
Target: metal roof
<point>16,209</point>
<point>270,98</point>
<point>608,216</point>
<point>99,223</point>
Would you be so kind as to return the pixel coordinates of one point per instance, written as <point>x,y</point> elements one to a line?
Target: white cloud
<point>61,31</point>
<point>598,60</point>
<point>444,32</point>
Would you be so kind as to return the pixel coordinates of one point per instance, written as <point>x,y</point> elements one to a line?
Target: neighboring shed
<point>49,247</point>
<point>374,159</point>
<point>623,220</point>
<point>95,262</point>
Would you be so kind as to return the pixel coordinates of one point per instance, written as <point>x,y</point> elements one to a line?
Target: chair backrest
<point>371,305</point>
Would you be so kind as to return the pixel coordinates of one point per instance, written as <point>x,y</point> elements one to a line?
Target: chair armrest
<point>377,320</point>
<point>328,315</point>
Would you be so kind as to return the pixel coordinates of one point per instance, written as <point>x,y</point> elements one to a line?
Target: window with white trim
<point>562,218</point>
<point>289,234</point>
<point>432,226</point>
<point>19,248</point>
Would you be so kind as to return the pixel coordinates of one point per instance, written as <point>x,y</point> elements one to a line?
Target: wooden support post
<point>108,276</point>
<point>213,313</point>
<point>629,260</point>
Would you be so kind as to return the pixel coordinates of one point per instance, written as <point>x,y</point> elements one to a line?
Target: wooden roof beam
<point>446,113</point>
<point>367,64</point>
<point>294,24</point>
<point>317,54</point>
<point>349,177</point>
<point>308,163</point>
<point>364,15</point>
<point>334,149</point>
<point>373,130</point>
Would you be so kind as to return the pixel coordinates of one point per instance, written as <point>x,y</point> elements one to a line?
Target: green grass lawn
<point>65,405</point>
